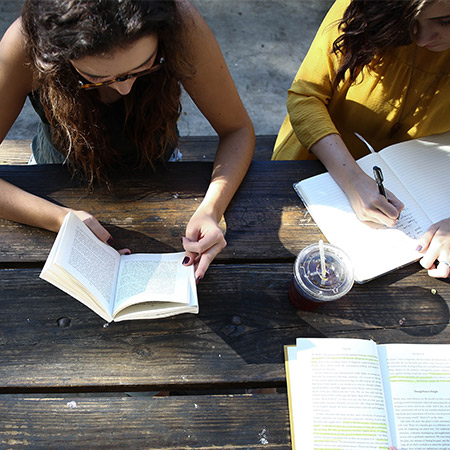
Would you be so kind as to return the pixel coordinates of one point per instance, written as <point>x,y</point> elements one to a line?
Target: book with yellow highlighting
<point>354,394</point>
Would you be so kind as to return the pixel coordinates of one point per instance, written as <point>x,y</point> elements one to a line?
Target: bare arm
<point>360,189</point>
<point>15,77</point>
<point>370,206</point>
<point>213,91</point>
<point>16,82</point>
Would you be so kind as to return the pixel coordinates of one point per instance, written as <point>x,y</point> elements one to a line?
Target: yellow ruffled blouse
<point>411,87</point>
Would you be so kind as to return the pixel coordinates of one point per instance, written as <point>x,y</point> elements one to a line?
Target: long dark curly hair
<point>369,28</point>
<point>58,31</point>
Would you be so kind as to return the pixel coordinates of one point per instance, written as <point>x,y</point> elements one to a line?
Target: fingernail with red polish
<point>197,280</point>
<point>127,252</point>
<point>186,259</point>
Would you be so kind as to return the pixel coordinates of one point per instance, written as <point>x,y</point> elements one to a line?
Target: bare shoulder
<point>187,11</point>
<point>198,37</point>
<point>12,43</point>
<point>193,22</point>
<point>13,59</point>
<point>16,79</point>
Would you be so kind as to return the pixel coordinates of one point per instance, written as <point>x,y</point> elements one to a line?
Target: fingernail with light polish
<point>419,248</point>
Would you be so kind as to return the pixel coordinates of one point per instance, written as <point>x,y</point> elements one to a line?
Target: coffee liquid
<point>299,301</point>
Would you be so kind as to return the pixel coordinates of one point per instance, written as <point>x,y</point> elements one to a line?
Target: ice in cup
<point>313,285</point>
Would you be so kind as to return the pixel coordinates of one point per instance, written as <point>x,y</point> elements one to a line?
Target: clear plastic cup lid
<point>337,278</point>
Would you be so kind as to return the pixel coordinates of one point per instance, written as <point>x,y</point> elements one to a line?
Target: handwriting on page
<point>423,167</point>
<point>409,224</point>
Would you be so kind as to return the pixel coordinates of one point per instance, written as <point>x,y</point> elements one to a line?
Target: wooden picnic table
<point>67,378</point>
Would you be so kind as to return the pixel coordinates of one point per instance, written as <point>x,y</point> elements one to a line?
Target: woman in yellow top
<point>380,69</point>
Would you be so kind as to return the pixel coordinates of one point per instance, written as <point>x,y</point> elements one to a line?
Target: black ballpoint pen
<point>378,174</point>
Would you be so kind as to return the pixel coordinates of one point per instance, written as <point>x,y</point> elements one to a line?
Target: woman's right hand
<point>361,190</point>
<point>368,204</point>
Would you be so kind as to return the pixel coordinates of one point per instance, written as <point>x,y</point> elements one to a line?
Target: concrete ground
<point>263,41</point>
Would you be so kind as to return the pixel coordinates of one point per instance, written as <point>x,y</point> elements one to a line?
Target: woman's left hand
<point>435,243</point>
<point>203,242</point>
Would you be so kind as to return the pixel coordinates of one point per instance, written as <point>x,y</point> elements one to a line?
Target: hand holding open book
<point>118,287</point>
<point>417,171</point>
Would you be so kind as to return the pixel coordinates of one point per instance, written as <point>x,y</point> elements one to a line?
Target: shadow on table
<point>247,307</point>
<point>417,308</point>
<point>266,219</point>
<point>252,314</point>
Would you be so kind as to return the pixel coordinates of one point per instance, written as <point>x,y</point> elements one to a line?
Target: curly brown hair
<point>369,28</point>
<point>58,31</point>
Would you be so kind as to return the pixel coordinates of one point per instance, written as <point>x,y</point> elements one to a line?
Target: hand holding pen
<point>379,178</point>
<point>378,174</point>
<point>378,206</point>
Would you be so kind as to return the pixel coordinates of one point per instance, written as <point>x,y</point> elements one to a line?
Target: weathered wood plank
<point>193,148</point>
<point>240,421</point>
<point>146,215</point>
<point>15,151</point>
<point>235,341</point>
<point>203,148</point>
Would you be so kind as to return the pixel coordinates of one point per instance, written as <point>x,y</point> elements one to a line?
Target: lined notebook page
<point>423,166</point>
<point>373,250</point>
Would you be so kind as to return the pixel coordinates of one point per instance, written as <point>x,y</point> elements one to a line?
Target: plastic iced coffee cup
<point>314,283</point>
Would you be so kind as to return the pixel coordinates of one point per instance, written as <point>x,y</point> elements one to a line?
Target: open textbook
<point>354,394</point>
<point>418,173</point>
<point>118,287</point>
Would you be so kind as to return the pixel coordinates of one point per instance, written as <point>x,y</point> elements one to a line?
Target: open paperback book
<point>354,394</point>
<point>418,173</point>
<point>118,287</point>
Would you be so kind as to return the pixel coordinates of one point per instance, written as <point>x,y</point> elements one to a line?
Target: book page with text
<point>373,249</point>
<point>159,310</point>
<point>336,395</point>
<point>90,261</point>
<point>152,278</point>
<point>423,166</point>
<point>418,381</point>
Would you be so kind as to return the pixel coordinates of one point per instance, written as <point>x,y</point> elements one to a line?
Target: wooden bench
<point>194,148</point>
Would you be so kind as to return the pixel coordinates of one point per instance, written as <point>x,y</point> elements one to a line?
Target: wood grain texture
<point>15,151</point>
<point>203,148</point>
<point>193,148</point>
<point>259,421</point>
<point>235,341</point>
<point>50,343</point>
<point>149,213</point>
